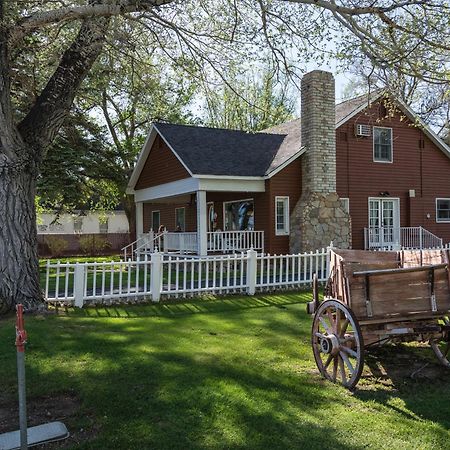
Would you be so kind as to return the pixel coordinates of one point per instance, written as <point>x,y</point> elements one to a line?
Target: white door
<point>384,222</point>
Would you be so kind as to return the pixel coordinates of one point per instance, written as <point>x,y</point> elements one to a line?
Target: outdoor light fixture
<point>384,194</point>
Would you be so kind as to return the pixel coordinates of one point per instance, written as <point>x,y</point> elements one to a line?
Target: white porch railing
<point>180,242</point>
<point>400,237</point>
<point>217,242</point>
<point>235,241</point>
<point>175,276</point>
<point>146,243</point>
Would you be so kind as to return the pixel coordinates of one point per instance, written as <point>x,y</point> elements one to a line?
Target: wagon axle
<point>329,344</point>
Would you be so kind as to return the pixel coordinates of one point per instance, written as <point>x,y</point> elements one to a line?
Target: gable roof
<point>215,151</point>
<point>220,152</point>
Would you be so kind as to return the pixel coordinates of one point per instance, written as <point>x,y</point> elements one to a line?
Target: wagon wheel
<point>337,343</point>
<point>441,347</point>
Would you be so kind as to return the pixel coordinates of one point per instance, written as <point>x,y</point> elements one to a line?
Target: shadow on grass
<point>185,307</point>
<point>410,373</point>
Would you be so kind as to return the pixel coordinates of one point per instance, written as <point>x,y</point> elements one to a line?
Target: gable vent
<point>362,129</point>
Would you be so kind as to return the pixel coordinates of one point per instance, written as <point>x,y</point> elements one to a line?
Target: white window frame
<point>183,228</point>
<point>153,225</point>
<point>346,202</point>
<point>285,230</point>
<point>392,146</point>
<point>437,218</point>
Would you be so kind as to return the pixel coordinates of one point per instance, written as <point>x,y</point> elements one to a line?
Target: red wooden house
<point>364,173</point>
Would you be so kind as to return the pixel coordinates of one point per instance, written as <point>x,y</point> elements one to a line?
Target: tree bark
<point>21,150</point>
<point>19,266</point>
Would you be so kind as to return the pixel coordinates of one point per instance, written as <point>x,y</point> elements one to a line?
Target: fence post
<point>78,285</point>
<point>156,276</point>
<point>251,271</point>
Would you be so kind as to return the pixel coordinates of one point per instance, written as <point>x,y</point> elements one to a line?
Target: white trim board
<point>190,185</point>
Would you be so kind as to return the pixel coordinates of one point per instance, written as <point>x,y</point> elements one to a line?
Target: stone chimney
<point>319,216</point>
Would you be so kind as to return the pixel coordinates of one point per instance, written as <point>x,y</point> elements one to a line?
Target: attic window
<point>382,144</point>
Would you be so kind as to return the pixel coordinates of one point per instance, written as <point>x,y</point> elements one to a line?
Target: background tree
<point>210,33</point>
<point>250,103</point>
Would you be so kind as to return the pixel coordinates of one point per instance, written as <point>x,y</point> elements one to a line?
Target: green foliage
<point>56,245</point>
<point>93,244</point>
<point>251,103</point>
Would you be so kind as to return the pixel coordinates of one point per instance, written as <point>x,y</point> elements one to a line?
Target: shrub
<point>56,245</point>
<point>93,244</point>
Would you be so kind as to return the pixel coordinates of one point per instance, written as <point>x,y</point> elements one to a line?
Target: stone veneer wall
<point>319,216</point>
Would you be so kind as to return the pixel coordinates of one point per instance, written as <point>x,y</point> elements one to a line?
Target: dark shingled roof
<point>215,151</point>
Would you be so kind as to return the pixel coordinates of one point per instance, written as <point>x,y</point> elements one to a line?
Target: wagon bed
<point>375,297</point>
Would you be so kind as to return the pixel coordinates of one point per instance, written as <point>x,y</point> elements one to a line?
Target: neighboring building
<point>83,222</point>
<point>86,232</point>
<point>357,173</point>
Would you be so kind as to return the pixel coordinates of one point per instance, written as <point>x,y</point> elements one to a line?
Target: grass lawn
<point>216,374</point>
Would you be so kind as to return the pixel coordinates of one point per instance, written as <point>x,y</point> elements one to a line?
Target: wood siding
<point>162,166</point>
<point>417,164</point>
<point>167,215</point>
<point>287,182</point>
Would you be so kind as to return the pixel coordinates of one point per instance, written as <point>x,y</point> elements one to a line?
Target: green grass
<point>232,373</point>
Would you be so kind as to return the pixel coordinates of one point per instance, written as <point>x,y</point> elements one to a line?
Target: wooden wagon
<point>373,298</point>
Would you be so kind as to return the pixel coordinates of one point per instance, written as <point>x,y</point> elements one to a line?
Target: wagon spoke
<point>342,369</point>
<point>344,327</point>
<point>325,325</point>
<point>327,363</point>
<point>331,320</point>
<point>319,335</point>
<point>349,351</point>
<point>338,321</point>
<point>347,362</point>
<point>335,366</point>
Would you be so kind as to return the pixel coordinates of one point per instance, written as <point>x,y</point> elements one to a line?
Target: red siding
<point>425,170</point>
<point>287,182</point>
<point>162,166</point>
<point>167,215</point>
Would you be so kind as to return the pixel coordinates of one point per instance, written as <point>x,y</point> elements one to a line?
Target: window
<point>103,225</point>
<point>281,216</point>
<point>239,215</point>
<point>382,144</point>
<point>156,220</point>
<point>443,210</point>
<point>77,224</point>
<point>346,204</point>
<point>180,217</point>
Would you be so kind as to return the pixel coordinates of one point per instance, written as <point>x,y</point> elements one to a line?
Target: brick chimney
<point>319,216</point>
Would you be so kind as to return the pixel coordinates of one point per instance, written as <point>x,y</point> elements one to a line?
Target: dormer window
<point>382,144</point>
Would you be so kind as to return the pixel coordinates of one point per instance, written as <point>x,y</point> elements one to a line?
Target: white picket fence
<point>79,284</point>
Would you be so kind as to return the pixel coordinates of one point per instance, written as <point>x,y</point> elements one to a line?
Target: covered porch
<point>201,216</point>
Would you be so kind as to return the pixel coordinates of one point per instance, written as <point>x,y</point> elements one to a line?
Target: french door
<point>384,222</point>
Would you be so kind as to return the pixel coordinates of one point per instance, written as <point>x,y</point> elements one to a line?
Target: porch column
<point>202,224</point>
<point>139,219</point>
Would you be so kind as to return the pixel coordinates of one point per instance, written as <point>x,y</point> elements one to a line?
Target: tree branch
<point>41,124</point>
<point>107,8</point>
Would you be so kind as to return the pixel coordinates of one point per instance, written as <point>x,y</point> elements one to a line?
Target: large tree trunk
<point>19,267</point>
<point>21,150</point>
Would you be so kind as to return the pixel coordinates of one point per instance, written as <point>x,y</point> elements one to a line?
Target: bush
<point>56,245</point>
<point>93,244</point>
